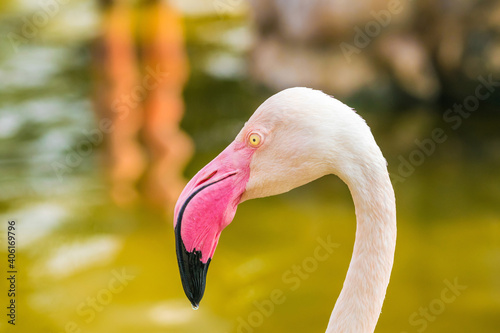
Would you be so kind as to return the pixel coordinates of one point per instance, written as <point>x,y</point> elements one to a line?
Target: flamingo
<point>293,138</point>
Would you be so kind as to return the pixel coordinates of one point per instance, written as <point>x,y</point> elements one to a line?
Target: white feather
<point>308,134</point>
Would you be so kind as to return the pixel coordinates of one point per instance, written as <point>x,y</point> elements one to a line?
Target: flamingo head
<point>289,141</point>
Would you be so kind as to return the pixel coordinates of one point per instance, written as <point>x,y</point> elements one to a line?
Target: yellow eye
<point>254,139</point>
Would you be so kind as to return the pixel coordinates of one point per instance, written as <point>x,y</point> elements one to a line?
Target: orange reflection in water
<point>141,71</point>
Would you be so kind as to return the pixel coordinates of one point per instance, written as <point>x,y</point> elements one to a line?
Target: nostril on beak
<point>204,180</point>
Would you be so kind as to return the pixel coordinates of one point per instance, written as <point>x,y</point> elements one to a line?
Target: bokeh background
<point>108,106</point>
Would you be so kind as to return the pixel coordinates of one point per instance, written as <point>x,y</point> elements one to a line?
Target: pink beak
<point>205,207</point>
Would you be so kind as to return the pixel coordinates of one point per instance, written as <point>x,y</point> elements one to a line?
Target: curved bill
<point>205,207</point>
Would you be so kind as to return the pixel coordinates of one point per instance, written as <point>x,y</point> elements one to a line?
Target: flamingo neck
<point>360,302</point>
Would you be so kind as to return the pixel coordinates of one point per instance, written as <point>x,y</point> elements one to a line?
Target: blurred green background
<point>95,243</point>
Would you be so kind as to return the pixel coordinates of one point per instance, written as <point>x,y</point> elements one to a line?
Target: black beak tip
<point>195,305</point>
<point>193,293</point>
<point>193,273</point>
